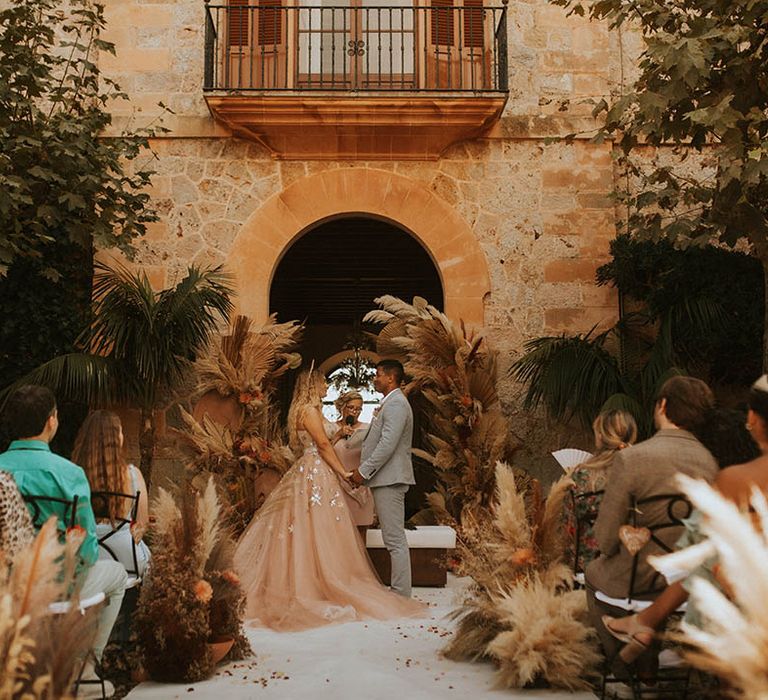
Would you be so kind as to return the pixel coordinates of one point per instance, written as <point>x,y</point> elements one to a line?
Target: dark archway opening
<point>329,279</point>
<point>331,275</point>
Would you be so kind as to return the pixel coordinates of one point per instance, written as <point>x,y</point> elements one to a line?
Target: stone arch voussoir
<point>270,230</point>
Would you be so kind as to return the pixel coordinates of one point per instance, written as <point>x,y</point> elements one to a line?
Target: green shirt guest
<point>39,472</point>
<point>32,420</point>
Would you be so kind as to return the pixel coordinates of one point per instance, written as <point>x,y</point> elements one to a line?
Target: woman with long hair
<point>346,436</point>
<point>99,451</point>
<point>300,560</point>
<point>613,430</point>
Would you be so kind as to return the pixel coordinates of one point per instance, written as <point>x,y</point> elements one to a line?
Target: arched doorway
<point>331,275</point>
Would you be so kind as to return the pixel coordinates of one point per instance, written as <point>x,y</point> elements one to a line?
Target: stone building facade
<point>515,224</point>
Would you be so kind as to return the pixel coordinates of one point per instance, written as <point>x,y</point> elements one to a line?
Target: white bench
<point>429,545</point>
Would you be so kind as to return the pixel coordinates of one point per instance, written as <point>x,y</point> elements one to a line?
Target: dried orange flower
<point>523,557</point>
<point>230,577</point>
<point>203,591</point>
<point>467,401</point>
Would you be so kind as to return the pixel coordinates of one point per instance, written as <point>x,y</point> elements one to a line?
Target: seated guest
<point>642,471</point>
<point>613,430</point>
<point>32,421</point>
<point>729,440</point>
<point>16,531</point>
<point>99,451</point>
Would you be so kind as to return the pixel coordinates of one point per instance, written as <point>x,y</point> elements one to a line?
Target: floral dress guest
<point>613,430</point>
<point>16,529</point>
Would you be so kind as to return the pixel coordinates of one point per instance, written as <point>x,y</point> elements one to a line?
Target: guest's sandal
<point>637,638</point>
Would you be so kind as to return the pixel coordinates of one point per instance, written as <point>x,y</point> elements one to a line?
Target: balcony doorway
<point>366,45</point>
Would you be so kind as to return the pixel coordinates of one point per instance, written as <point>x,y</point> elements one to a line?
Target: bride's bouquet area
<point>234,431</point>
<point>191,601</point>
<point>732,643</point>
<point>41,651</point>
<point>454,370</point>
<point>521,611</point>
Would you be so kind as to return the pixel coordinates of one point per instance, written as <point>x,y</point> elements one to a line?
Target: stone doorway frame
<point>271,230</point>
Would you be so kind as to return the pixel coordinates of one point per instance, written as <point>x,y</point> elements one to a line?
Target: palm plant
<point>577,376</point>
<point>140,345</point>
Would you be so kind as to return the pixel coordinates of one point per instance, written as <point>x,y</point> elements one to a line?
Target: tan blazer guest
<point>640,471</point>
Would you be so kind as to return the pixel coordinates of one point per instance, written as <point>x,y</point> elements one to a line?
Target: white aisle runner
<point>354,661</point>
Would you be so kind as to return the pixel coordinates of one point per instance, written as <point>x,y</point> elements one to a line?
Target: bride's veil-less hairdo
<point>305,395</point>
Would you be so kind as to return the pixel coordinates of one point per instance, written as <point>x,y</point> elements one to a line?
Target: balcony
<point>356,81</point>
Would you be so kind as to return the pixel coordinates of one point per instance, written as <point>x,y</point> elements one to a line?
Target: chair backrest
<point>100,501</point>
<point>676,508</point>
<point>584,514</point>
<point>65,509</point>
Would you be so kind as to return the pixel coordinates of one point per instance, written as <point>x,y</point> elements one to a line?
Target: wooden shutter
<point>473,23</point>
<point>270,22</point>
<point>442,22</point>
<point>237,23</point>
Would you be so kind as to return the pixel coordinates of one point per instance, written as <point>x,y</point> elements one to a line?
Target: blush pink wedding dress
<point>301,561</point>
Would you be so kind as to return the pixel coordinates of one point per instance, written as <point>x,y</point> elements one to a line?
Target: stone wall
<point>540,211</point>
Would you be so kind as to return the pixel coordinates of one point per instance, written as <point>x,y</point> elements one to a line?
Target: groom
<point>385,466</point>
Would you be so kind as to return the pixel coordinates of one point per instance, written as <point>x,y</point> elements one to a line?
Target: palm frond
<point>569,375</point>
<point>91,378</point>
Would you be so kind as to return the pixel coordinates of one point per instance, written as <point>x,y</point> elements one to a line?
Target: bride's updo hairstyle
<point>306,394</point>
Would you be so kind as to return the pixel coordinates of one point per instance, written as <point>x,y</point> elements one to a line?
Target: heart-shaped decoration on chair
<point>634,538</point>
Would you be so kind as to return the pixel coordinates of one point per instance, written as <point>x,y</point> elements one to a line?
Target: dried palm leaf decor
<point>455,371</point>
<point>41,653</point>
<point>521,612</point>
<point>244,366</point>
<point>191,594</point>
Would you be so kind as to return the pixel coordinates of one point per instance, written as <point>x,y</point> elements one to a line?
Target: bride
<point>301,561</point>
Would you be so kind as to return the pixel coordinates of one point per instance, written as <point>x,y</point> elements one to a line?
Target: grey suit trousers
<point>390,506</point>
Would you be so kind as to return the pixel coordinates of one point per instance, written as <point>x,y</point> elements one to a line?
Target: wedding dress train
<point>301,561</point>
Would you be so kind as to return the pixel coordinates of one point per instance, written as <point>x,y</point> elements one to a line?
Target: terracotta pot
<point>223,410</point>
<point>219,648</point>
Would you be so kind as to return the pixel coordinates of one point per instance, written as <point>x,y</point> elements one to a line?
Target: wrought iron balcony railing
<point>405,46</point>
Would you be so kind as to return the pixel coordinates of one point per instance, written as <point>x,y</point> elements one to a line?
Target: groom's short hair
<point>392,367</point>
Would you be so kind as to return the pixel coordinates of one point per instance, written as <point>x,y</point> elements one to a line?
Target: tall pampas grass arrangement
<point>244,366</point>
<point>41,652</point>
<point>455,370</point>
<point>733,641</point>
<point>521,612</point>
<point>191,594</point>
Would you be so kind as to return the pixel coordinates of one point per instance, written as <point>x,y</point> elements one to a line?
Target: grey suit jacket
<point>646,469</point>
<point>386,454</point>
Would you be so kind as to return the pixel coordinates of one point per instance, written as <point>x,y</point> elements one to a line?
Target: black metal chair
<point>66,512</point>
<point>676,680</point>
<point>64,509</point>
<point>100,503</point>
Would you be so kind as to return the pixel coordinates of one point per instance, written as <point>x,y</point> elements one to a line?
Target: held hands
<point>356,478</point>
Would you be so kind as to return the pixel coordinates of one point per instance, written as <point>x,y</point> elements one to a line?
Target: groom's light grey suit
<point>385,463</point>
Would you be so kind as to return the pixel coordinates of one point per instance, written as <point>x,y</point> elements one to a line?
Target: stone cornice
<point>331,127</point>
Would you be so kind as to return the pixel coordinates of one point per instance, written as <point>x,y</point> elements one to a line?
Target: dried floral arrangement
<point>733,641</point>
<point>455,370</point>
<point>521,611</point>
<point>191,595</point>
<point>242,366</point>
<point>40,651</point>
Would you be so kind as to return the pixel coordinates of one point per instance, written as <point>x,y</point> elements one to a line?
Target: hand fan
<point>570,457</point>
